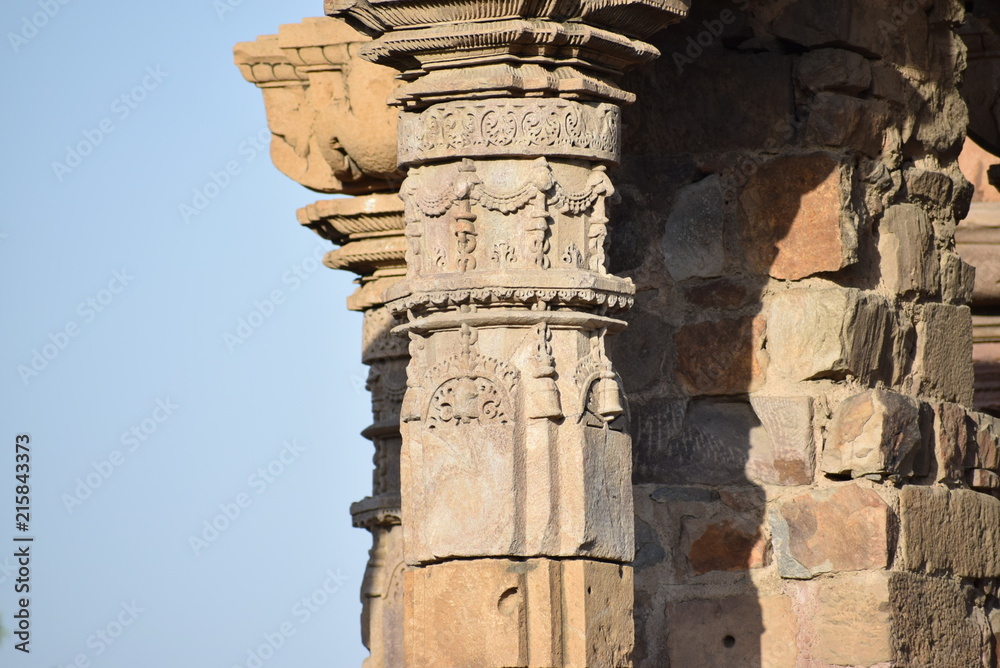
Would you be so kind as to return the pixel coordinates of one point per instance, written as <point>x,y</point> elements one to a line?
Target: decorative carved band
<point>519,128</point>
<point>502,296</point>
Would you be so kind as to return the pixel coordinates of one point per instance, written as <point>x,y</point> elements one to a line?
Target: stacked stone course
<point>811,486</point>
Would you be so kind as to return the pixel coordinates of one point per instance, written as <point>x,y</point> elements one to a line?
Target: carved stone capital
<point>331,129</point>
<point>461,50</point>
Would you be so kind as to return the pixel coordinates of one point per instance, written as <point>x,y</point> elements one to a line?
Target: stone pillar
<point>516,462</point>
<point>333,132</point>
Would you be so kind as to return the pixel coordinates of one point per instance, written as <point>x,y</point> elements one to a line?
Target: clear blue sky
<point>127,306</point>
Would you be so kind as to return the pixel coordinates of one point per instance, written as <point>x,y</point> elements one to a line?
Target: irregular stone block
<point>733,631</point>
<point>876,28</point>
<point>834,69</point>
<point>788,422</point>
<point>906,246</point>
<point>725,536</point>
<point>641,354</point>
<point>723,293</point>
<point>956,531</point>
<point>724,546</point>
<point>987,450</point>
<point>875,432</point>
<point>942,366</point>
<point>693,232</point>
<point>930,187</point>
<point>711,124</point>
<point>958,279</point>
<point>825,531</point>
<point>719,357</point>
<point>983,480</point>
<point>932,625</point>
<point>828,333</point>
<point>712,447</point>
<point>793,218</point>
<point>476,613</point>
<point>844,121</point>
<point>717,442</point>
<point>695,535</point>
<point>653,426</point>
<point>951,442</point>
<point>853,621</point>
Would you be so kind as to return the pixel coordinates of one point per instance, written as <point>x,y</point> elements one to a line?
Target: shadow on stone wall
<point>718,168</point>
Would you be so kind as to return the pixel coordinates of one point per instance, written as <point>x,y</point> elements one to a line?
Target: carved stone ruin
<point>671,358</point>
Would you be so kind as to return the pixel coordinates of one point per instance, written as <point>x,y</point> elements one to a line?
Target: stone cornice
<point>315,45</point>
<point>511,40</point>
<point>577,48</point>
<point>639,18</point>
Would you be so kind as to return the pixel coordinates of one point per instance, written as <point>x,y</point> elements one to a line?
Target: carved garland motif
<point>461,187</point>
<point>551,127</point>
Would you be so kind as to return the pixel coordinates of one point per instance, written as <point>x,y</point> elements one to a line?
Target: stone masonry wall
<point>811,487</point>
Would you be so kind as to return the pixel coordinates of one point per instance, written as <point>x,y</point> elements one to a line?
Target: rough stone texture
<point>723,293</point>
<point>957,279</point>
<point>736,631</point>
<point>842,529</point>
<point>854,626</point>
<point>932,625</point>
<point>955,531</point>
<point>828,333</point>
<point>864,27</point>
<point>876,432</point>
<point>698,535</point>
<point>987,450</point>
<point>930,188</point>
<point>906,245</point>
<point>951,442</point>
<point>723,546</point>
<point>834,69</point>
<point>693,232</point>
<point>497,613</point>
<point>720,442</point>
<point>942,368</point>
<point>720,357</point>
<point>843,120</point>
<point>795,225</point>
<point>788,423</point>
<point>984,480</point>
